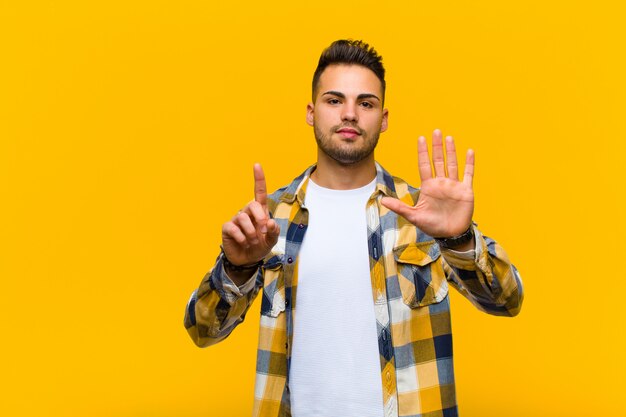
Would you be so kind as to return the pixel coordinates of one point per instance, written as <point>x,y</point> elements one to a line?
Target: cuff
<point>466,259</point>
<point>225,285</point>
<point>240,290</point>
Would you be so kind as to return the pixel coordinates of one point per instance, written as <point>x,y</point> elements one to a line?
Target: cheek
<point>373,122</point>
<point>324,118</point>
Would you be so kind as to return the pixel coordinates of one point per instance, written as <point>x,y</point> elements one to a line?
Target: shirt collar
<point>296,190</point>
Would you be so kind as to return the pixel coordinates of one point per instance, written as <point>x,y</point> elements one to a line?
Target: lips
<point>348,132</point>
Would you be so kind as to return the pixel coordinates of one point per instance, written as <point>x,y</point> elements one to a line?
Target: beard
<point>346,154</point>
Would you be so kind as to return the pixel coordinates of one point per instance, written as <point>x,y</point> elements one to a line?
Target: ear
<point>383,125</point>
<point>310,110</point>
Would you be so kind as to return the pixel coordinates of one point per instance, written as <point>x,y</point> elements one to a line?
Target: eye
<point>367,104</point>
<point>333,101</point>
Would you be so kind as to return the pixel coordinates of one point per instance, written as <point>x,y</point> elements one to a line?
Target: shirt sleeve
<point>219,305</point>
<point>486,277</point>
<point>234,289</point>
<point>465,255</point>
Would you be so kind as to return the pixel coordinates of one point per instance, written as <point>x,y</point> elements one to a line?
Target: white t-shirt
<point>335,363</point>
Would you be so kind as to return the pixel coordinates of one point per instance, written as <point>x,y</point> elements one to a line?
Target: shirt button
<point>286,303</point>
<point>388,376</point>
<point>300,226</point>
<point>290,260</point>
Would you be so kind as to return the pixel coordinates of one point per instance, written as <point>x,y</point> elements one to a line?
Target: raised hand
<point>250,235</point>
<point>445,204</point>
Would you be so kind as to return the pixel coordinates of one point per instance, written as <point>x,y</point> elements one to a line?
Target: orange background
<point>128,131</point>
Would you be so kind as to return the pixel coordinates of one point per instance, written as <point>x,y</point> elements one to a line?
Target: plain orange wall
<point>128,131</point>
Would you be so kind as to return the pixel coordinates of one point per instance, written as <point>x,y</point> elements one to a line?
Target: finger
<point>453,167</point>
<point>260,189</point>
<point>423,161</point>
<point>438,162</point>
<point>468,177</point>
<point>397,206</point>
<point>231,230</point>
<point>245,224</point>
<point>256,212</point>
<point>273,231</point>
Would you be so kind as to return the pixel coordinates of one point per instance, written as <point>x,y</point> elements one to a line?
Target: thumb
<point>397,206</point>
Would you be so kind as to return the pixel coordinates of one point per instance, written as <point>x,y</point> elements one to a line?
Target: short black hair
<point>348,51</point>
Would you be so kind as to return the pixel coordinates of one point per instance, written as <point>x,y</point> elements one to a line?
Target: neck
<point>331,174</point>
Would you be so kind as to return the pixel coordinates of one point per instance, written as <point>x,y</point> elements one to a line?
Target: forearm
<point>489,280</point>
<point>219,305</point>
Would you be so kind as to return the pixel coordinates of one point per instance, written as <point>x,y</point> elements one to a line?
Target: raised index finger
<point>260,189</point>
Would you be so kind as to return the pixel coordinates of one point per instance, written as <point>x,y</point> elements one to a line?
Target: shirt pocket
<point>273,302</point>
<point>421,277</point>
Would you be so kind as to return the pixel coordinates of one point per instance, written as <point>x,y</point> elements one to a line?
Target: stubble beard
<point>345,155</point>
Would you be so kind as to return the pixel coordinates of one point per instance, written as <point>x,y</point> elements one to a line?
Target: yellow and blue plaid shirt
<point>410,279</point>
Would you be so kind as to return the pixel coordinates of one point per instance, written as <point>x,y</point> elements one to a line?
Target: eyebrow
<point>359,97</point>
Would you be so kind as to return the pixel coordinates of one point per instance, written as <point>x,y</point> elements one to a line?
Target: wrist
<point>464,241</point>
<point>239,274</point>
<point>229,266</point>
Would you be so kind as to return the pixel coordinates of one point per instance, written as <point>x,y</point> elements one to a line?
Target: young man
<point>369,257</point>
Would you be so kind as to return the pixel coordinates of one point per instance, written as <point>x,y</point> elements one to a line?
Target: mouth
<point>348,132</point>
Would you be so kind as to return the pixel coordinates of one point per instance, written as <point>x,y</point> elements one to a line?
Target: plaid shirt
<point>410,280</point>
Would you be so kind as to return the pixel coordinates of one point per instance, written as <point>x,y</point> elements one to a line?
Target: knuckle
<point>256,208</point>
<point>231,230</point>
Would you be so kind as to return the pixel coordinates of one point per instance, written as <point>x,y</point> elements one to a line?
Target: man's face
<point>347,115</point>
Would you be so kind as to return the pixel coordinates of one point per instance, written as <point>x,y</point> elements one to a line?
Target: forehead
<point>350,80</point>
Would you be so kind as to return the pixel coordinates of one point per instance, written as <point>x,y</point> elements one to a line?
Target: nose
<point>348,112</point>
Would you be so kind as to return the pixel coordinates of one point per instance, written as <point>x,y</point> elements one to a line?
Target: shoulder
<point>275,198</point>
<point>287,193</point>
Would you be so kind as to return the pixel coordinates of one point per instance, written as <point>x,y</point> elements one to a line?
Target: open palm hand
<point>445,204</point>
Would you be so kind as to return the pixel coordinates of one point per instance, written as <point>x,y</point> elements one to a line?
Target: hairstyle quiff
<point>354,52</point>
